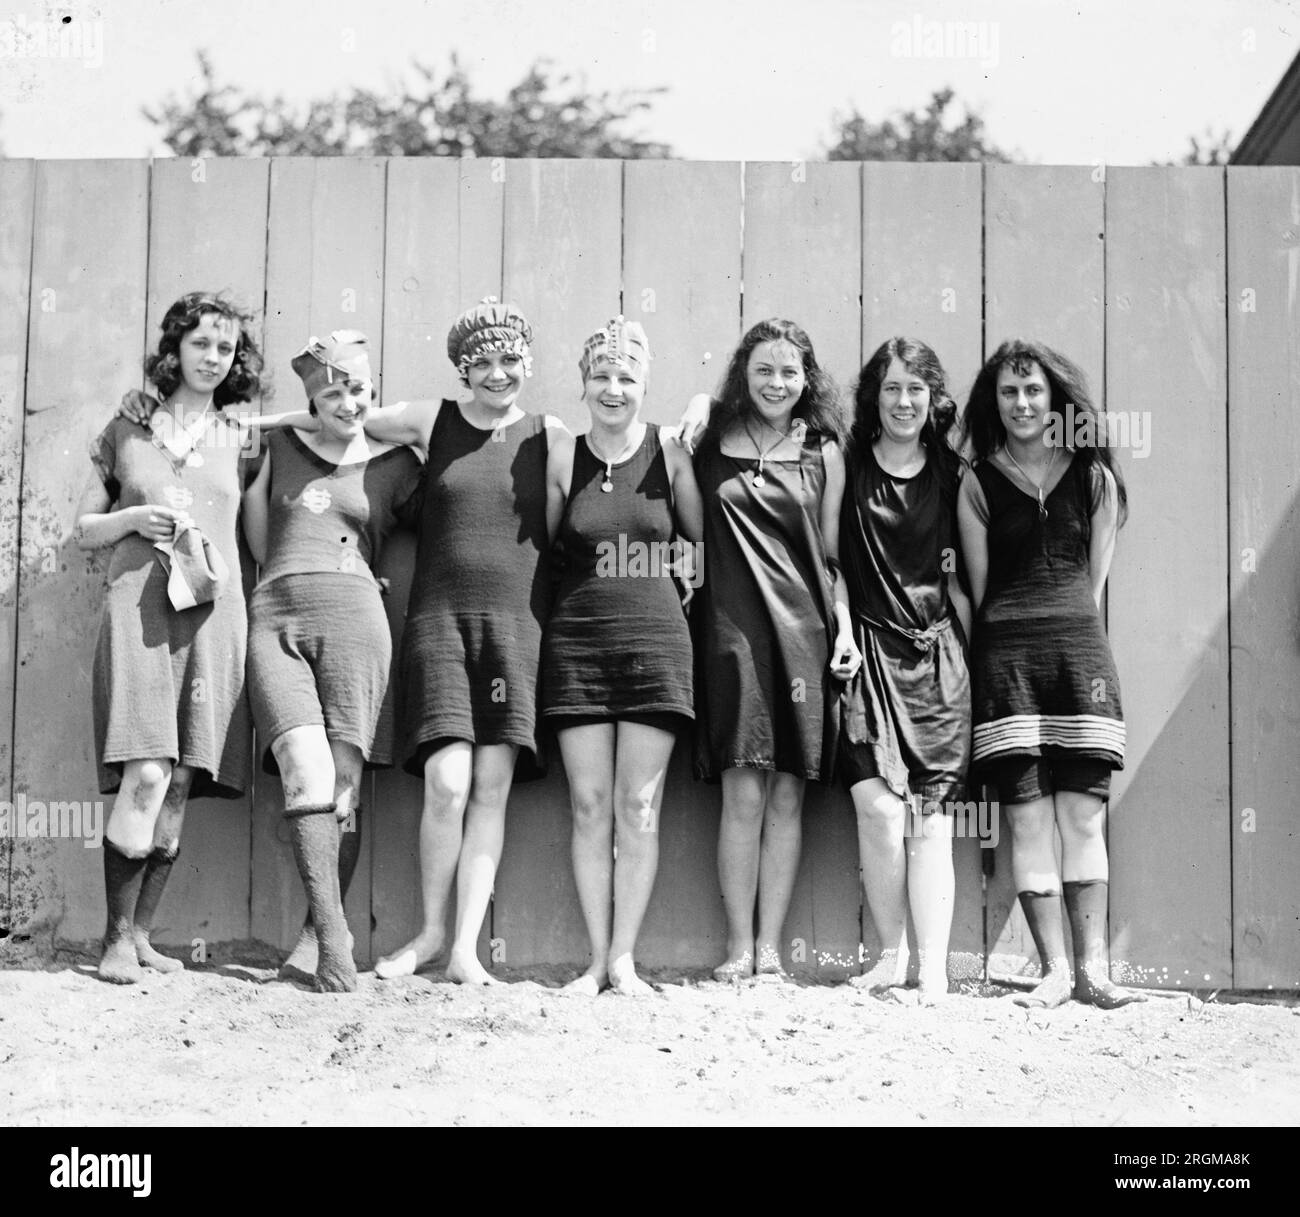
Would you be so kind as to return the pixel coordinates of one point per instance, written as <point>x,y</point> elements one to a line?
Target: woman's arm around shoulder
<point>407,422</point>
<point>690,427</point>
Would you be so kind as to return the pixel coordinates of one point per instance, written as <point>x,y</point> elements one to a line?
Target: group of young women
<point>842,563</point>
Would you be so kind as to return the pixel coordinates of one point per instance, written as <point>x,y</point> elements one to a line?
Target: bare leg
<point>480,854</point>
<point>448,774</point>
<point>643,755</point>
<point>166,846</point>
<point>128,841</point>
<point>588,753</point>
<point>348,768</point>
<point>1033,867</point>
<point>930,890</point>
<point>881,818</point>
<point>306,763</point>
<point>778,866</point>
<point>744,795</point>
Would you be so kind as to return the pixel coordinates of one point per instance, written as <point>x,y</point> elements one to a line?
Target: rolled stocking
<point>1085,901</point>
<point>304,956</point>
<point>1043,912</point>
<point>315,835</point>
<point>158,869</point>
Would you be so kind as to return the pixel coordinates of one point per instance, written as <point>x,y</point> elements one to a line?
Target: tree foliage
<point>931,134</point>
<point>1210,148</point>
<point>545,115</point>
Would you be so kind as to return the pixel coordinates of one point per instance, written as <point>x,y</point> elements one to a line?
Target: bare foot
<point>1094,988</point>
<point>149,958</point>
<point>735,968</point>
<point>1052,991</point>
<point>624,980</point>
<point>589,984</point>
<point>421,951</point>
<point>888,972</point>
<point>769,964</point>
<point>932,991</point>
<point>118,964</point>
<point>899,995</point>
<point>465,969</point>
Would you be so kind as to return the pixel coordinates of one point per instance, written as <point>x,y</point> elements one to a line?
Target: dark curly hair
<point>919,359</point>
<point>243,382</point>
<point>819,404</point>
<point>1066,383</point>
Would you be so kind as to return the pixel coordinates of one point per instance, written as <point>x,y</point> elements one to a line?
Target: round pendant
<point>194,459</point>
<point>758,479</point>
<point>607,486</point>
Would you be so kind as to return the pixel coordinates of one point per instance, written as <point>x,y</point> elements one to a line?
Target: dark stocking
<point>158,869</point>
<point>1043,912</point>
<point>122,879</point>
<point>1085,901</point>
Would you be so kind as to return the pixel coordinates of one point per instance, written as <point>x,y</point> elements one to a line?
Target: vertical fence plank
<point>88,291</point>
<point>803,260</point>
<point>1044,278</point>
<point>562,267</point>
<point>325,271</point>
<point>922,277</point>
<point>921,269</point>
<point>681,275</point>
<point>803,255</point>
<point>208,233</point>
<point>442,252</point>
<point>421,295</point>
<point>17,196</point>
<point>1170,907</point>
<point>1264,560</point>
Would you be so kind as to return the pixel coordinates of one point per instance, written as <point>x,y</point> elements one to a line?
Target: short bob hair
<point>243,382</point>
<point>818,405</point>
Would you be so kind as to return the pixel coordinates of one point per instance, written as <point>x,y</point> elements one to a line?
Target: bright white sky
<point>1121,81</point>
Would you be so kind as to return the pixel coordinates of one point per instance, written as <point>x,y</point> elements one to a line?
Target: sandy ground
<point>228,1044</point>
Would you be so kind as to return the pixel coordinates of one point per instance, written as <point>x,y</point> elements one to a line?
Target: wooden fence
<point>1175,289</point>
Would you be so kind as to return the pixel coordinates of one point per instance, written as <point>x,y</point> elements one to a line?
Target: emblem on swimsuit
<point>316,499</point>
<point>179,498</point>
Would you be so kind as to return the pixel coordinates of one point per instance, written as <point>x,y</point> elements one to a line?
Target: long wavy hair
<point>243,382</point>
<point>920,360</point>
<point>819,404</point>
<point>983,424</point>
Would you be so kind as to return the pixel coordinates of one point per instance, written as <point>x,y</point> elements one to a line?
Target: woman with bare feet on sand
<point>171,718</point>
<point>1038,520</point>
<point>906,736</point>
<point>319,651</point>
<point>773,623</point>
<point>616,655</point>
<point>493,498</point>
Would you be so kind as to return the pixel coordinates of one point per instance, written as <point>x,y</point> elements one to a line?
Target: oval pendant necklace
<point>758,479</point>
<point>608,484</point>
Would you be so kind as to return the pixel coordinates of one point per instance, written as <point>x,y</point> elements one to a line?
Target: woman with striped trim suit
<point>1038,519</point>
